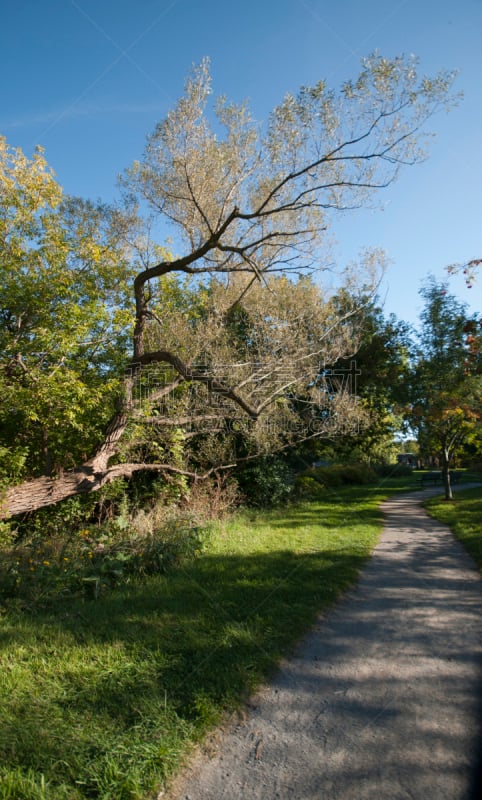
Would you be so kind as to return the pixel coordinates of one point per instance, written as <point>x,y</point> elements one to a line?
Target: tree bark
<point>90,476</point>
<point>42,492</point>
<point>446,474</point>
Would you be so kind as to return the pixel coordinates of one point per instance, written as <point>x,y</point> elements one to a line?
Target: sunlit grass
<point>464,516</point>
<point>103,698</point>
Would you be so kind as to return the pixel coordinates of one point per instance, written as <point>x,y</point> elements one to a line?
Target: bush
<point>307,488</point>
<point>332,477</point>
<point>214,498</point>
<point>96,558</point>
<point>476,467</point>
<point>345,475</point>
<point>267,482</point>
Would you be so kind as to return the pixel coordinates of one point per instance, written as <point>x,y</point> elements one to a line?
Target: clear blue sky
<point>88,79</point>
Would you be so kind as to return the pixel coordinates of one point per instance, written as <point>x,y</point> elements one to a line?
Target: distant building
<point>409,459</point>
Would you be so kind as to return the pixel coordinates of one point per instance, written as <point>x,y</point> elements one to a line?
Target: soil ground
<point>381,699</point>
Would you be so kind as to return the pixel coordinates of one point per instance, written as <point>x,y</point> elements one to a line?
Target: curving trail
<point>380,700</point>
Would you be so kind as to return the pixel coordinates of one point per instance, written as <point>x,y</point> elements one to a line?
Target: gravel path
<point>380,701</point>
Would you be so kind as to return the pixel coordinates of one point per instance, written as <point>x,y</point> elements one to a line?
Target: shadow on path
<point>381,699</point>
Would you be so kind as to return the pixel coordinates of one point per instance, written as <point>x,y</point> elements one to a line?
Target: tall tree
<point>446,406</point>
<point>64,311</point>
<point>249,205</point>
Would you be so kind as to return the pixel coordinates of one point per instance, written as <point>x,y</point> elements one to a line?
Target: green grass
<point>464,516</point>
<point>103,698</point>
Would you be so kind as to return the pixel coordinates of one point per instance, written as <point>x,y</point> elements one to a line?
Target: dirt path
<point>379,702</point>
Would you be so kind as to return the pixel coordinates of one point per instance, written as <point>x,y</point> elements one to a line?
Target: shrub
<point>337,475</point>
<point>267,482</point>
<point>307,488</point>
<point>96,558</point>
<point>214,498</point>
<point>476,467</point>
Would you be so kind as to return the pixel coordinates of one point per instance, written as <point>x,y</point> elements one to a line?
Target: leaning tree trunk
<point>88,477</point>
<point>96,472</point>
<point>41,492</point>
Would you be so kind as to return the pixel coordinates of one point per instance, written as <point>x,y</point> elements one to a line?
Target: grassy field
<point>103,698</point>
<point>464,516</point>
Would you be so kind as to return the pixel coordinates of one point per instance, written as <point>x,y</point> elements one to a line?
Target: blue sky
<point>88,80</point>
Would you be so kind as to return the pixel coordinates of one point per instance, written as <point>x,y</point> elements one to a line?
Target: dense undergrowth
<point>87,545</point>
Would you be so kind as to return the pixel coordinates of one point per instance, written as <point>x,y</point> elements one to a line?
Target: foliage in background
<point>379,373</point>
<point>446,391</point>
<point>393,470</point>
<point>317,482</point>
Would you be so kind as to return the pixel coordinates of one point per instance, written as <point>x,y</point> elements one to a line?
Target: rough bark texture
<point>41,492</point>
<point>94,473</point>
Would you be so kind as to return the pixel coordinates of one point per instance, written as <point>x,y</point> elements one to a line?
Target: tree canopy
<point>65,316</point>
<point>446,407</point>
<point>233,332</point>
<point>382,368</point>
